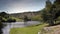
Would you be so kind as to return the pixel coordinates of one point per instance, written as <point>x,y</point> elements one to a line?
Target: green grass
<point>27,30</point>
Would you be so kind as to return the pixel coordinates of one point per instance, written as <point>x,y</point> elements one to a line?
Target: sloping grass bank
<point>27,30</point>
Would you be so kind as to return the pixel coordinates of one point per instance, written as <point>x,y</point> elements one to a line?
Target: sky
<point>19,6</point>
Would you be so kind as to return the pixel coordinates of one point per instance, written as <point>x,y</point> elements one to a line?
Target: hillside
<point>31,15</point>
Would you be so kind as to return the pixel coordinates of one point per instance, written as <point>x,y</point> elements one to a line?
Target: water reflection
<point>7,28</point>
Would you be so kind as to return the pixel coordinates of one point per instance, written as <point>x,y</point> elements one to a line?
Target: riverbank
<point>27,30</point>
<point>6,29</point>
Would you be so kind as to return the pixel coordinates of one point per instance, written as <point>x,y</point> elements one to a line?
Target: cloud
<point>14,6</point>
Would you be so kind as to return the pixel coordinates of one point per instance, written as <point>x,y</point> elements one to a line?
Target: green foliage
<point>51,13</point>
<point>25,18</point>
<point>4,17</point>
<point>36,18</point>
<point>17,19</point>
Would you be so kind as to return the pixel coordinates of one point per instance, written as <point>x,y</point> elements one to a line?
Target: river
<point>8,26</point>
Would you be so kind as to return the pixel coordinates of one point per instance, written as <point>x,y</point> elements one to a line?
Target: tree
<point>25,18</point>
<point>2,14</point>
<point>49,14</point>
<point>44,16</point>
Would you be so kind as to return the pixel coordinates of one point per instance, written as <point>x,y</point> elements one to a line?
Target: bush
<point>36,18</point>
<point>11,20</point>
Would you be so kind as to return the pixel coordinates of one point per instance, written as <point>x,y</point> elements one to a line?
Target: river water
<point>8,26</point>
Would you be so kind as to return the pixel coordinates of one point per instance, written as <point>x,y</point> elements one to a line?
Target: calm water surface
<point>7,28</point>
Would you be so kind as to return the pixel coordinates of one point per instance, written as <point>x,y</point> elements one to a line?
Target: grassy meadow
<point>27,30</point>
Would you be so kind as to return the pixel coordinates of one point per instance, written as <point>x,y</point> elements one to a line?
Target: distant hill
<point>28,14</point>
